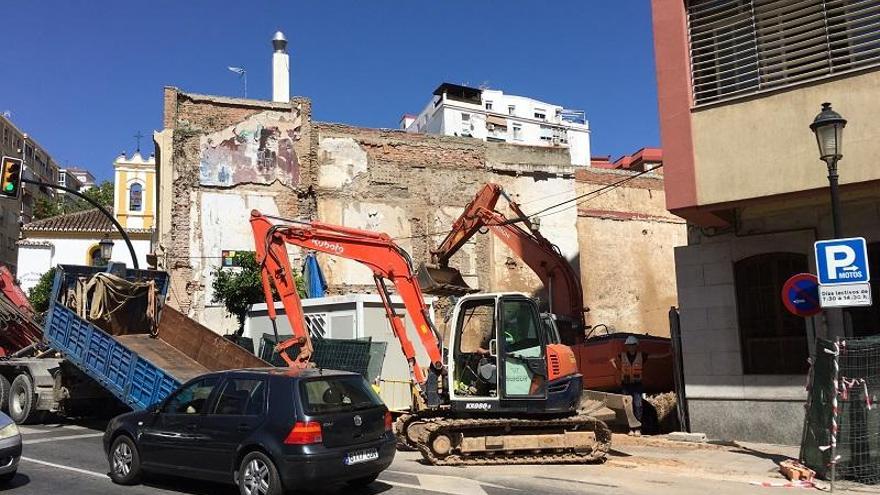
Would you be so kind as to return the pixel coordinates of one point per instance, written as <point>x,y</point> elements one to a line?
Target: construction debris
<point>683,436</point>
<point>795,471</point>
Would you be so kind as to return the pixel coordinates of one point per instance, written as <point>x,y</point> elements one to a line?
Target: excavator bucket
<point>442,281</point>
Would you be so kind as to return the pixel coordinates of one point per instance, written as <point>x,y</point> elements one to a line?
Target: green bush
<point>238,288</point>
<point>40,295</point>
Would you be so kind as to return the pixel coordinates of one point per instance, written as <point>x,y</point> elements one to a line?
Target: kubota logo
<point>328,246</point>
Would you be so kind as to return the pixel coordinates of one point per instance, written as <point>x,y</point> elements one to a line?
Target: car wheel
<point>23,401</point>
<point>4,393</point>
<point>6,478</point>
<point>125,461</point>
<point>366,480</point>
<point>257,475</point>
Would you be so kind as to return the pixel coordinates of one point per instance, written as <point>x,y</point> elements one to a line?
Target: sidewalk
<point>651,466</point>
<point>744,462</point>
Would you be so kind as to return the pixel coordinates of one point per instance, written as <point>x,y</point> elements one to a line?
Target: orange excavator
<point>566,308</point>
<point>504,391</point>
<point>542,256</point>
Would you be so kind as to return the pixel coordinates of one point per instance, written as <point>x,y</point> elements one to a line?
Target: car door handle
<point>243,427</point>
<point>192,426</point>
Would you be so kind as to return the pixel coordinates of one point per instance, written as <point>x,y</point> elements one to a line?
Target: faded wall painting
<point>258,150</point>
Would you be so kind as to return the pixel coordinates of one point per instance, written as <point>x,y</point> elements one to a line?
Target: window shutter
<point>740,47</point>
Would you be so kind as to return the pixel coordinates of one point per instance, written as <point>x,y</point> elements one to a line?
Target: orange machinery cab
<point>594,360</point>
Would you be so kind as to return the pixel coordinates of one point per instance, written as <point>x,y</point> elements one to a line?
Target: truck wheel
<point>23,401</point>
<point>4,393</point>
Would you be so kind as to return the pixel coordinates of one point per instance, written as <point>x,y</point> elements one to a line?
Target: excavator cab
<point>505,358</point>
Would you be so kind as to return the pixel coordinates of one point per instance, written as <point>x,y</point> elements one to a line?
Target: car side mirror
<point>493,347</point>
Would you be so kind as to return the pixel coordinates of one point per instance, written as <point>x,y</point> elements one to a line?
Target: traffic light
<point>10,177</point>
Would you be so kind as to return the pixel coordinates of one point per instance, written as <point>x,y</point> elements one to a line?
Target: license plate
<point>359,456</point>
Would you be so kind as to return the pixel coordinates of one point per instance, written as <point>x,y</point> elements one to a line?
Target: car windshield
<point>337,394</point>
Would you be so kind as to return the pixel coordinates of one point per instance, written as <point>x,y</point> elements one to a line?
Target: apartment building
<point>739,83</point>
<point>83,176</point>
<point>38,165</point>
<point>491,115</point>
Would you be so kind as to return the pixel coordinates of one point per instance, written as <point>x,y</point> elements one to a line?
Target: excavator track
<point>451,442</point>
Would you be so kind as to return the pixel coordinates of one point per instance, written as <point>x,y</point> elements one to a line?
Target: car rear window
<point>334,394</point>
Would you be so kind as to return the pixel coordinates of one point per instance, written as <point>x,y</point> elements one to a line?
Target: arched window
<point>135,197</point>
<point>774,341</point>
<point>95,256</point>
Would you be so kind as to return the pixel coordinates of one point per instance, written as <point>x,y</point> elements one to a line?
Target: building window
<point>488,105</point>
<point>511,109</point>
<point>135,197</point>
<point>773,341</point>
<point>6,135</point>
<point>546,133</point>
<point>95,256</point>
<point>466,126</point>
<point>540,114</point>
<point>517,132</point>
<point>740,47</point>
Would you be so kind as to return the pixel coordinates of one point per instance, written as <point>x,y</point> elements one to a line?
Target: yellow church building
<point>134,201</point>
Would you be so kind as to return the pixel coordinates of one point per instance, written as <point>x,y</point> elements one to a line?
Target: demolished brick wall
<point>411,186</point>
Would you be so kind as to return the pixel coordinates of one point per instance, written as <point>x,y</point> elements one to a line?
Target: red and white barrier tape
<point>787,484</point>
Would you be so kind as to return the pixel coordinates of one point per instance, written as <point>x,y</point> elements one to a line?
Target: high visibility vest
<point>631,371</point>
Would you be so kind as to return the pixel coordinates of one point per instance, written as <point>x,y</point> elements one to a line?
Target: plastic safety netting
<point>841,437</point>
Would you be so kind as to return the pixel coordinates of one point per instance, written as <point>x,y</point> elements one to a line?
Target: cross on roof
<point>138,136</point>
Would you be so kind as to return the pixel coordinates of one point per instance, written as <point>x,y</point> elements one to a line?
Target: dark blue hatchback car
<point>266,430</point>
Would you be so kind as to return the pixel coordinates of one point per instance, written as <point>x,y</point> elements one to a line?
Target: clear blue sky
<point>83,77</point>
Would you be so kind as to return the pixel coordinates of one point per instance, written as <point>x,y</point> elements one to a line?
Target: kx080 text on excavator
<point>504,391</point>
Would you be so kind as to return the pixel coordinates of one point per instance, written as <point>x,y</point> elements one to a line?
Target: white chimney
<point>280,69</point>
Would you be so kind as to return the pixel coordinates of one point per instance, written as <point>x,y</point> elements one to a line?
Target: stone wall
<point>414,186</point>
<point>221,157</point>
<point>626,239</point>
<point>224,157</point>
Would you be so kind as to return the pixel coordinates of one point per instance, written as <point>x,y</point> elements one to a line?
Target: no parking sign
<point>800,295</point>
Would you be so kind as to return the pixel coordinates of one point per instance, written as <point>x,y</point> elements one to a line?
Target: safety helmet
<point>631,340</point>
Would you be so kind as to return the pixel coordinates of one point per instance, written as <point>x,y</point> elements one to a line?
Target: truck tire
<point>4,393</point>
<point>23,401</point>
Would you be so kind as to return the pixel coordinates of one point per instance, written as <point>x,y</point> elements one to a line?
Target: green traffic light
<point>10,187</point>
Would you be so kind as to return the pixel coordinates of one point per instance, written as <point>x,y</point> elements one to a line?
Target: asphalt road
<point>68,458</point>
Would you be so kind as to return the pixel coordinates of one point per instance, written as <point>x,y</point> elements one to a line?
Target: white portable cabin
<point>349,317</point>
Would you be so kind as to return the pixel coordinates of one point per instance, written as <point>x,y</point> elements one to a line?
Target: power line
<point>580,199</point>
<point>613,185</point>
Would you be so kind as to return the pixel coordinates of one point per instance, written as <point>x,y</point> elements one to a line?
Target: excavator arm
<point>541,255</point>
<point>375,250</point>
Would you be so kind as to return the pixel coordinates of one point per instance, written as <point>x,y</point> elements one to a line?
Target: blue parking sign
<point>842,261</point>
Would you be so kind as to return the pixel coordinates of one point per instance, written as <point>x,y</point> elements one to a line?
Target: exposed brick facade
<point>411,186</point>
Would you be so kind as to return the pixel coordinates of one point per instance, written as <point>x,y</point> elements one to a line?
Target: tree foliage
<point>40,295</point>
<point>238,288</point>
<point>101,194</point>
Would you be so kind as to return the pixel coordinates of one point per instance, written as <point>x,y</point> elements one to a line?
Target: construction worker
<point>631,364</point>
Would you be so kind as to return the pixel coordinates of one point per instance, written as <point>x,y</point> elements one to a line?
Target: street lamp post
<point>106,248</point>
<point>828,127</point>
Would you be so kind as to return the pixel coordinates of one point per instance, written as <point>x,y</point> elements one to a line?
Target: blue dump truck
<point>111,343</point>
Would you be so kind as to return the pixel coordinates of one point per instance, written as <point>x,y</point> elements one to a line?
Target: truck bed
<point>138,369</point>
<point>161,354</point>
